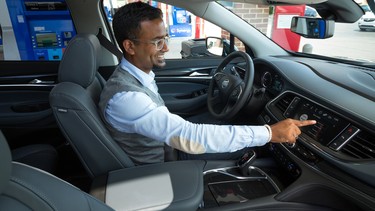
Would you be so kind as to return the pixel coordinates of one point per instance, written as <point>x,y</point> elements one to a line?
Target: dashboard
<point>341,146</point>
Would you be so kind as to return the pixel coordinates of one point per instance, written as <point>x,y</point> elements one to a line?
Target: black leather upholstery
<point>74,103</point>
<point>41,156</point>
<point>81,60</point>
<point>5,162</point>
<point>23,187</point>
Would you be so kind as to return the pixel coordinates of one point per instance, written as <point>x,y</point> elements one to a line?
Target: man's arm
<point>135,112</point>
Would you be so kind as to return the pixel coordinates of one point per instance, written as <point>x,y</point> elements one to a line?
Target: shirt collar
<point>144,78</point>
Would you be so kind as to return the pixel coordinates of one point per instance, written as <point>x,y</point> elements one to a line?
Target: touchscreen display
<point>328,125</point>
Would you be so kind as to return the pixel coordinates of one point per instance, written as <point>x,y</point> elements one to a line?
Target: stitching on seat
<point>77,111</point>
<point>34,190</point>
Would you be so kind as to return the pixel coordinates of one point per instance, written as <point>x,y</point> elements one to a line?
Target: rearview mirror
<point>316,28</point>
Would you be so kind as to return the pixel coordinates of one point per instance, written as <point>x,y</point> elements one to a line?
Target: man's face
<point>146,55</point>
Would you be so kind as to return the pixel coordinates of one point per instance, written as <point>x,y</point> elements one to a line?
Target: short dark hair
<point>127,20</point>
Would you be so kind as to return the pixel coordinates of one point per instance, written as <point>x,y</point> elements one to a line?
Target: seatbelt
<point>109,45</point>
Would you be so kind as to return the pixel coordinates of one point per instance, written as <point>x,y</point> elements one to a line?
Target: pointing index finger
<point>306,123</point>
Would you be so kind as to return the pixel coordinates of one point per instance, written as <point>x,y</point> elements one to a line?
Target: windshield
<point>351,41</point>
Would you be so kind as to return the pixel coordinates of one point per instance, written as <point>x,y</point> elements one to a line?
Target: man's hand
<point>288,130</point>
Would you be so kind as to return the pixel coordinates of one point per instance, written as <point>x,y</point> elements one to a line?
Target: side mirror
<point>215,45</point>
<point>316,28</point>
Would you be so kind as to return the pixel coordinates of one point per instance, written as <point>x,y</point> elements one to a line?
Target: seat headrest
<point>81,60</point>
<point>5,162</point>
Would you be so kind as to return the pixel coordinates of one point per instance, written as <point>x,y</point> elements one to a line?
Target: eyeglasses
<point>159,44</point>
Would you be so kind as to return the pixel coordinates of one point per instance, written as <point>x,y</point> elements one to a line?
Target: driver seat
<point>74,103</point>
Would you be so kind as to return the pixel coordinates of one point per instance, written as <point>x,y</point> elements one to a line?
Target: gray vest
<point>141,149</point>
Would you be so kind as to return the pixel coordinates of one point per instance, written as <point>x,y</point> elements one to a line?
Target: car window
<point>187,32</point>
<point>34,30</point>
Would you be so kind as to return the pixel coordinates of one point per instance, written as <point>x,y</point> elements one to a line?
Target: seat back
<point>74,103</point>
<point>5,163</point>
<point>23,187</point>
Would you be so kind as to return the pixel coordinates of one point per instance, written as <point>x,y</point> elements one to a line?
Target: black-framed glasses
<point>159,43</point>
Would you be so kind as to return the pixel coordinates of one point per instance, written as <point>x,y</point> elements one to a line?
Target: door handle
<point>37,81</point>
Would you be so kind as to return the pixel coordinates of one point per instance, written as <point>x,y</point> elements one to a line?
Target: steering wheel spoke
<point>236,92</point>
<point>216,99</point>
<point>226,109</point>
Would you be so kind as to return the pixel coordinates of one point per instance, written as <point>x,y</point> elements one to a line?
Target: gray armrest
<point>168,186</point>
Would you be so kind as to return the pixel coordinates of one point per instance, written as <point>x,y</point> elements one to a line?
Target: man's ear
<point>128,46</point>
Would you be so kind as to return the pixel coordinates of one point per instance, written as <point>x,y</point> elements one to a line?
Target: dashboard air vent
<point>284,102</point>
<point>362,146</point>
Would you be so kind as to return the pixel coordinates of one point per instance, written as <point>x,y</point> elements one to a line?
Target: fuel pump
<point>41,29</point>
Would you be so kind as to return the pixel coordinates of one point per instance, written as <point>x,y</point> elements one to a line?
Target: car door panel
<point>25,114</point>
<point>183,83</point>
<point>183,97</point>
<point>24,108</point>
<point>24,94</point>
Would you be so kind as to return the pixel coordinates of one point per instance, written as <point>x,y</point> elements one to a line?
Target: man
<point>136,115</point>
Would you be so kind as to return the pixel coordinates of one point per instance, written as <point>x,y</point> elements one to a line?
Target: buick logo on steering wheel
<point>225,83</point>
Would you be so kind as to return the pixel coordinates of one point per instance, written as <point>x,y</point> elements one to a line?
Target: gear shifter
<point>245,161</point>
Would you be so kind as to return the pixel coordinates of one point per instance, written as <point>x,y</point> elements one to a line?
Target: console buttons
<point>293,169</point>
<point>285,161</point>
<point>304,117</point>
<point>306,154</point>
<point>344,137</point>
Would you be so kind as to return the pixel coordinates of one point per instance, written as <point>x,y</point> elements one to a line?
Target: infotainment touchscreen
<point>328,124</point>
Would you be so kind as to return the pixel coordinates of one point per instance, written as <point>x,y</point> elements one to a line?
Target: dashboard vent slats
<point>362,146</point>
<point>284,102</point>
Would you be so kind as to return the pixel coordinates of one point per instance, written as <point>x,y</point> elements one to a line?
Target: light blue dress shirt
<point>135,112</point>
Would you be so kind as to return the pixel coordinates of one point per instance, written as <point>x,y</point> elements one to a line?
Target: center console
<point>237,184</point>
<point>225,186</point>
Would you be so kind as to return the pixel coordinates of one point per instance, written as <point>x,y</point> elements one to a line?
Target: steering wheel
<point>227,92</point>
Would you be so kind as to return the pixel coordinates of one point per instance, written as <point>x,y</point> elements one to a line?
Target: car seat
<point>23,187</point>
<point>42,156</point>
<point>74,103</point>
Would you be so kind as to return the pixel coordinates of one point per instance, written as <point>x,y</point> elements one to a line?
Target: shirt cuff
<point>261,135</point>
